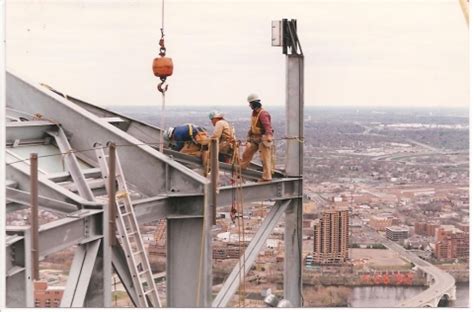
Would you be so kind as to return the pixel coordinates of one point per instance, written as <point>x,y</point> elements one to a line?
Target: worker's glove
<point>267,140</point>
<point>267,137</point>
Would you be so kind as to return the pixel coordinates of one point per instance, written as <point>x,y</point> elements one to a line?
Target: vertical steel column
<point>108,231</point>
<point>34,215</point>
<point>189,258</point>
<point>214,159</point>
<point>188,263</point>
<point>112,191</point>
<point>294,168</point>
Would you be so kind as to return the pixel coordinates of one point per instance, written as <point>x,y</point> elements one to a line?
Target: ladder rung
<point>143,272</point>
<point>137,253</point>
<point>132,233</point>
<point>126,214</point>
<point>148,291</point>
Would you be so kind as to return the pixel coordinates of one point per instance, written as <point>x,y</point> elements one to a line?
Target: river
<point>383,296</point>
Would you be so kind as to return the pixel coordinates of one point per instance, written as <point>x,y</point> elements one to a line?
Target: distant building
<point>380,222</point>
<point>396,233</point>
<point>451,243</point>
<point>331,237</point>
<point>47,297</point>
<point>426,228</point>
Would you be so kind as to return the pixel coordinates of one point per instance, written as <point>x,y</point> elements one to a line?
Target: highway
<point>442,283</point>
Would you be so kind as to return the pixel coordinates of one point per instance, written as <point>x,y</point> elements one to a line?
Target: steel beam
<point>189,261</point>
<point>34,222</point>
<point>254,172</point>
<point>251,252</point>
<point>277,189</point>
<point>19,277</point>
<point>27,130</point>
<point>66,176</point>
<point>22,197</point>
<point>60,234</point>
<point>80,275</point>
<point>105,255</point>
<point>292,280</point>
<point>175,204</point>
<point>72,164</point>
<point>20,172</point>
<point>29,96</point>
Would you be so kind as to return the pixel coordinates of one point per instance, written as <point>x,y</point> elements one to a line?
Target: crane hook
<point>160,87</point>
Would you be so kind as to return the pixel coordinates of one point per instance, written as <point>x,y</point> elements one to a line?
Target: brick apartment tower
<point>451,243</point>
<point>331,237</point>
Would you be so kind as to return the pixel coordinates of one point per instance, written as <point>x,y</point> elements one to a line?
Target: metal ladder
<point>130,238</point>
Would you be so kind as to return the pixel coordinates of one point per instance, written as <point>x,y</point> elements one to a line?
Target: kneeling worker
<point>224,134</point>
<point>260,137</point>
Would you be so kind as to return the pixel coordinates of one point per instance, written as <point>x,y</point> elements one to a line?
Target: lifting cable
<point>162,68</point>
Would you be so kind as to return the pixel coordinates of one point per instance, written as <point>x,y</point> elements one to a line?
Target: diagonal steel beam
<point>80,275</point>
<point>72,164</point>
<point>19,172</point>
<point>251,252</point>
<point>22,197</point>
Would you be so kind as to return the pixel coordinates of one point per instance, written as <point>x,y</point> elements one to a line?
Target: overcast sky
<point>381,53</point>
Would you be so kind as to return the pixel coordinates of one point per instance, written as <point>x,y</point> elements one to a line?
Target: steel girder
<point>156,174</point>
<point>80,227</point>
<point>292,277</point>
<point>176,204</point>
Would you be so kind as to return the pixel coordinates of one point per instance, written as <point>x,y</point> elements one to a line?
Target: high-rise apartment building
<point>331,237</point>
<point>451,243</point>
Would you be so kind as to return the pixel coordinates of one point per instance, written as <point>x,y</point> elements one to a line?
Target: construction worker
<point>188,139</point>
<point>224,133</point>
<point>260,138</point>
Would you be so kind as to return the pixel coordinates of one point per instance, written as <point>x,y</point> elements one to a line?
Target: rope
<point>162,18</point>
<point>238,210</point>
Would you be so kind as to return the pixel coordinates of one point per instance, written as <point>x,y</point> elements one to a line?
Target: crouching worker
<point>188,139</point>
<point>224,133</point>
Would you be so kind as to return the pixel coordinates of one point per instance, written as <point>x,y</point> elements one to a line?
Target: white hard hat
<point>253,97</point>
<point>216,114</point>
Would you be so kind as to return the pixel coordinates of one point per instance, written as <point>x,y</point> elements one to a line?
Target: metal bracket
<point>291,44</point>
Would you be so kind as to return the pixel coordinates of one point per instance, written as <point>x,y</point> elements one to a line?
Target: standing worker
<point>224,133</point>
<point>260,138</point>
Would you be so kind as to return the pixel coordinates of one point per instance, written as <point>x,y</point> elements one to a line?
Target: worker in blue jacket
<point>188,139</point>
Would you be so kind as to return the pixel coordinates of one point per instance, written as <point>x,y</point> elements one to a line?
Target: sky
<point>358,53</point>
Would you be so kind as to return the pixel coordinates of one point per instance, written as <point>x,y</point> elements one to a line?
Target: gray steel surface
<point>292,279</point>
